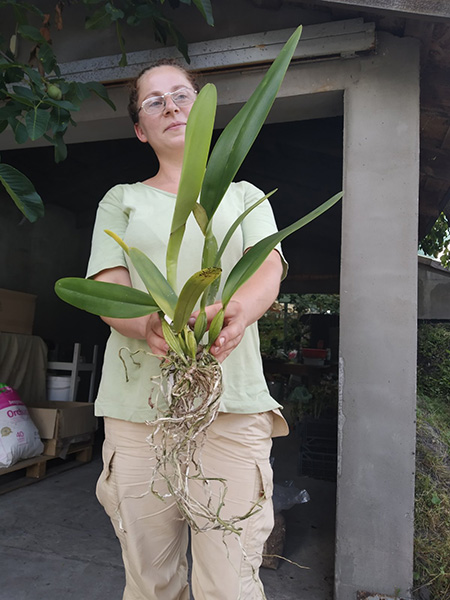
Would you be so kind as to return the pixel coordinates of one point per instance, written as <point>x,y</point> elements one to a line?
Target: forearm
<point>247,305</point>
<point>261,290</point>
<point>133,328</point>
<point>146,328</point>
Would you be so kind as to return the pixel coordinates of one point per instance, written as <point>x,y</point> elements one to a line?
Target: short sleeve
<point>111,215</point>
<point>260,222</point>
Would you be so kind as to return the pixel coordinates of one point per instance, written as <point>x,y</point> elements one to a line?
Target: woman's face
<point>164,131</point>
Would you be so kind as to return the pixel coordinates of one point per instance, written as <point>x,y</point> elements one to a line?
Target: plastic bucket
<point>58,388</point>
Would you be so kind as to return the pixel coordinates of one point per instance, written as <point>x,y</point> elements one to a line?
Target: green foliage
<point>436,243</point>
<point>37,102</point>
<point>432,506</point>
<point>316,303</point>
<point>22,191</point>
<point>433,360</point>
<point>432,496</point>
<point>85,294</point>
<point>135,13</point>
<point>284,327</point>
<point>254,258</point>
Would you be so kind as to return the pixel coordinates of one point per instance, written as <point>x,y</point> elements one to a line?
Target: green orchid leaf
<point>172,340</point>
<point>210,248</point>
<point>119,240</point>
<point>257,254</point>
<point>199,129</point>
<point>155,282</point>
<point>209,255</point>
<point>173,251</point>
<point>238,136</point>
<point>191,292</point>
<point>201,325</point>
<point>22,191</point>
<point>157,286</point>
<point>105,299</point>
<point>236,224</point>
<point>201,217</point>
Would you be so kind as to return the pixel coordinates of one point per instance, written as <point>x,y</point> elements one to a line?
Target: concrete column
<point>375,498</point>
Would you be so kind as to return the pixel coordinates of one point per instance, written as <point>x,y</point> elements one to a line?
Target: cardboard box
<point>16,312</point>
<point>63,420</point>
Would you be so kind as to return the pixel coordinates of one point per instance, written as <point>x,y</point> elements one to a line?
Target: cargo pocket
<point>106,490</point>
<point>261,523</point>
<point>266,475</point>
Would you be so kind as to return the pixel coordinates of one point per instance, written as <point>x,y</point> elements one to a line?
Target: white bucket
<point>58,388</point>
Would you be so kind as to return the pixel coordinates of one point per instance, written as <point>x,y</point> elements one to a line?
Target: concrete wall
<point>34,256</point>
<point>375,501</point>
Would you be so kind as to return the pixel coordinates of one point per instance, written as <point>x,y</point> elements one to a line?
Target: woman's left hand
<point>234,325</point>
<point>233,329</point>
<point>247,305</point>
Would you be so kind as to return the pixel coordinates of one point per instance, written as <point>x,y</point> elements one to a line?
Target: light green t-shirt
<point>141,216</point>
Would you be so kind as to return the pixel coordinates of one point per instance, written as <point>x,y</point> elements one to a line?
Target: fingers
<point>210,310</point>
<point>233,329</point>
<point>154,336</point>
<point>231,333</point>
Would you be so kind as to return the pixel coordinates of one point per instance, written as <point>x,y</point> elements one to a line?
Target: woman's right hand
<point>154,335</point>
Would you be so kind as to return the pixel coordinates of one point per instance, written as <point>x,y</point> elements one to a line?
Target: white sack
<point>19,437</point>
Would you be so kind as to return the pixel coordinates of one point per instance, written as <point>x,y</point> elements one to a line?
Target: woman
<point>153,536</point>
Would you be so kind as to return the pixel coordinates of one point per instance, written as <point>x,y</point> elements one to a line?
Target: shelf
<point>75,367</point>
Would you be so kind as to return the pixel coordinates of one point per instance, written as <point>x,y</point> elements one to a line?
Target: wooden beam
<point>343,38</point>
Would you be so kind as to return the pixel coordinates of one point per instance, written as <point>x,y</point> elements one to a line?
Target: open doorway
<point>303,159</point>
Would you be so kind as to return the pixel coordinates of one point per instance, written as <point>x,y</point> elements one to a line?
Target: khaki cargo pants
<point>154,537</point>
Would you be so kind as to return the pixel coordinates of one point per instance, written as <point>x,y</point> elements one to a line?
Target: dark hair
<point>133,108</point>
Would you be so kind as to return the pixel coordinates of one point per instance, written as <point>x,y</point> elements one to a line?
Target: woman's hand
<point>234,325</point>
<point>154,335</point>
<point>247,305</point>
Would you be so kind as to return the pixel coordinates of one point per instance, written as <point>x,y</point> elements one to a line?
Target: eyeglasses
<point>156,104</point>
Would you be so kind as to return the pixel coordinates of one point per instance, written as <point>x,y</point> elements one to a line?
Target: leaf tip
<point>119,240</point>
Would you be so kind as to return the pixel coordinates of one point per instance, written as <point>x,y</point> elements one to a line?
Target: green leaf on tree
<point>22,191</point>
<point>37,121</point>
<point>29,32</point>
<point>20,131</point>
<point>99,20</point>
